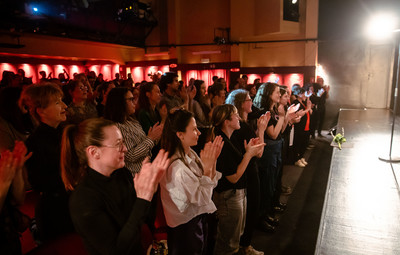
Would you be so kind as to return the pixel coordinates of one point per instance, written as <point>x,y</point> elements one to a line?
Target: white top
<point>185,192</point>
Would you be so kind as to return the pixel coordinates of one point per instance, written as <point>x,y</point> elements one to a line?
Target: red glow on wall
<point>6,67</point>
<point>137,74</point>
<point>150,70</point>
<point>205,75</point>
<point>29,71</point>
<point>252,77</point>
<point>273,77</point>
<point>58,69</point>
<point>47,69</point>
<point>106,71</point>
<point>95,69</point>
<point>293,78</point>
<point>74,69</point>
<point>115,70</point>
<point>235,70</point>
<point>164,69</point>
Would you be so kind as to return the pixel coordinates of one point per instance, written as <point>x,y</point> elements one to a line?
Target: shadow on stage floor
<point>299,223</point>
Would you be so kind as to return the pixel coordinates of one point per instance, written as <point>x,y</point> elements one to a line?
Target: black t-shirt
<point>300,126</point>
<point>227,163</point>
<point>272,122</point>
<point>246,132</point>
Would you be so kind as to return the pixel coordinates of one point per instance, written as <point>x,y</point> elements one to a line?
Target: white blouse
<point>185,192</point>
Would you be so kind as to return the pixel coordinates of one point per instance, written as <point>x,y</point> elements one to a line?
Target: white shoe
<point>303,161</point>
<point>249,251</point>
<point>299,163</point>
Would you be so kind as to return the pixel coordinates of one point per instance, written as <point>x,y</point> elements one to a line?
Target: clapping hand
<point>11,163</point>
<point>254,147</point>
<point>155,131</point>
<point>262,122</point>
<point>150,174</point>
<point>281,110</point>
<point>210,154</point>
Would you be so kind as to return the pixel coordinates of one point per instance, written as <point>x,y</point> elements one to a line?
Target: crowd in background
<point>100,153</point>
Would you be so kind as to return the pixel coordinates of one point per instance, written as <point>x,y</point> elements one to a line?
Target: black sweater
<point>107,214</point>
<point>44,165</point>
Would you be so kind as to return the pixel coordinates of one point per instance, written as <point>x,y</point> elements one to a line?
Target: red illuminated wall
<point>282,79</point>
<point>140,73</point>
<point>205,75</point>
<point>33,69</point>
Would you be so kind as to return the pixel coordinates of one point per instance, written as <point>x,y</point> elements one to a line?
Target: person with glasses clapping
<point>107,205</point>
<point>120,108</point>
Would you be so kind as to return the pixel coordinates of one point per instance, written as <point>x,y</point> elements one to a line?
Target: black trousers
<point>300,142</point>
<point>189,238</point>
<point>253,205</point>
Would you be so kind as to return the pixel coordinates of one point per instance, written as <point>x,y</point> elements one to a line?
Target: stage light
<point>35,9</point>
<point>381,26</point>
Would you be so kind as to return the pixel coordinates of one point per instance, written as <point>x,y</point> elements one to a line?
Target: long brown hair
<point>263,100</point>
<point>75,140</point>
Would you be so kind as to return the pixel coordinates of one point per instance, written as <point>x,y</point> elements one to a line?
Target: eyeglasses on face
<point>131,99</point>
<point>119,146</point>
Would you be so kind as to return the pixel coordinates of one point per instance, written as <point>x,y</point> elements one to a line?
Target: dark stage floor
<point>298,230</point>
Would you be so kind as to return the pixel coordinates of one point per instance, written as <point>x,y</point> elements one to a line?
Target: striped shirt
<point>138,144</point>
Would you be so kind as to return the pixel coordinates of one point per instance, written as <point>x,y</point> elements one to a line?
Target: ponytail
<point>220,114</point>
<point>74,142</point>
<point>71,170</point>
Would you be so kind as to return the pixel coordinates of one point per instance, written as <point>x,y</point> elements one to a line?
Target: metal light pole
<point>396,91</point>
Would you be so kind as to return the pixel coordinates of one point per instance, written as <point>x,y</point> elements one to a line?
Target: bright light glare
<point>322,73</point>
<point>35,9</point>
<point>381,26</point>
<point>294,1</point>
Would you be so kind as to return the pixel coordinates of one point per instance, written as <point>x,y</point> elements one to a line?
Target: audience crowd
<point>106,156</point>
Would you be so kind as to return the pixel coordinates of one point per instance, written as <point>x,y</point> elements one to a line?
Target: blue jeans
<point>231,213</point>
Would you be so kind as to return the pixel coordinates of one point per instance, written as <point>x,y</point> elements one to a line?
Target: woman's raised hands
<point>155,131</point>
<point>150,174</point>
<point>210,154</point>
<point>254,147</point>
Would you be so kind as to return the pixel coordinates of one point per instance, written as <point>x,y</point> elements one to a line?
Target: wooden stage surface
<point>361,213</point>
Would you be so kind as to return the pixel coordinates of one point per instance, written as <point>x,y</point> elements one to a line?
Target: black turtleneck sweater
<point>44,165</point>
<point>107,214</point>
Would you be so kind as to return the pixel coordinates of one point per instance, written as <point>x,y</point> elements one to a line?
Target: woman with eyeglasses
<point>230,193</point>
<point>187,187</point>
<point>241,99</point>
<point>107,205</point>
<point>80,108</point>
<point>120,108</point>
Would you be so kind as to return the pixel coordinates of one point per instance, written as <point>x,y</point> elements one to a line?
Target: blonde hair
<point>39,96</point>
